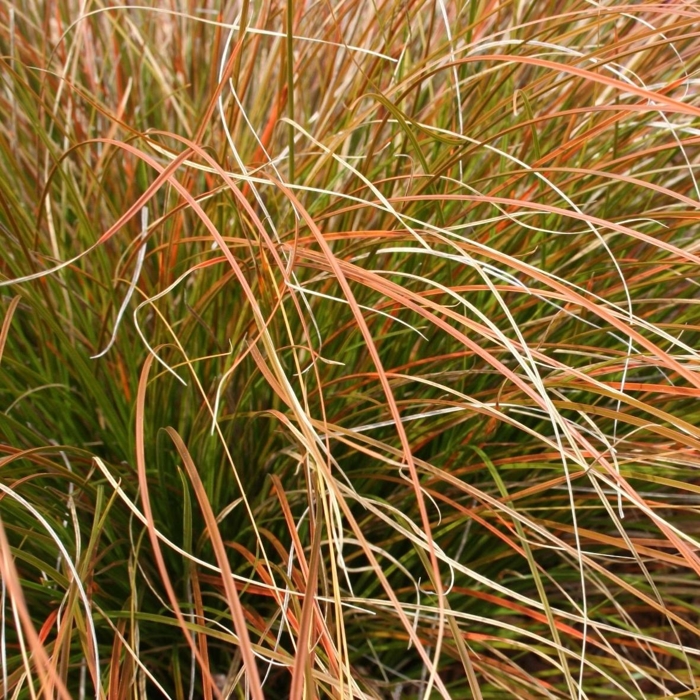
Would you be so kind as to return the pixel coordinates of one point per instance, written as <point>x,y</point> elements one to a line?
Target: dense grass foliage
<point>350,349</point>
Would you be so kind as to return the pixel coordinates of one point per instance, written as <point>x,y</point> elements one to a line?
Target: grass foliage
<point>350,349</point>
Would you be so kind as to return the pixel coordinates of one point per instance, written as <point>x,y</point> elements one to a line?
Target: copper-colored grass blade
<point>6,323</point>
<point>148,513</point>
<point>50,682</point>
<point>408,456</point>
<point>222,560</point>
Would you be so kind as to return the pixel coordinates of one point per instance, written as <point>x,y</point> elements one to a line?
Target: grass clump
<point>349,350</point>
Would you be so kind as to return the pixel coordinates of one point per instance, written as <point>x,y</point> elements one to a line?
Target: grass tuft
<point>349,350</point>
